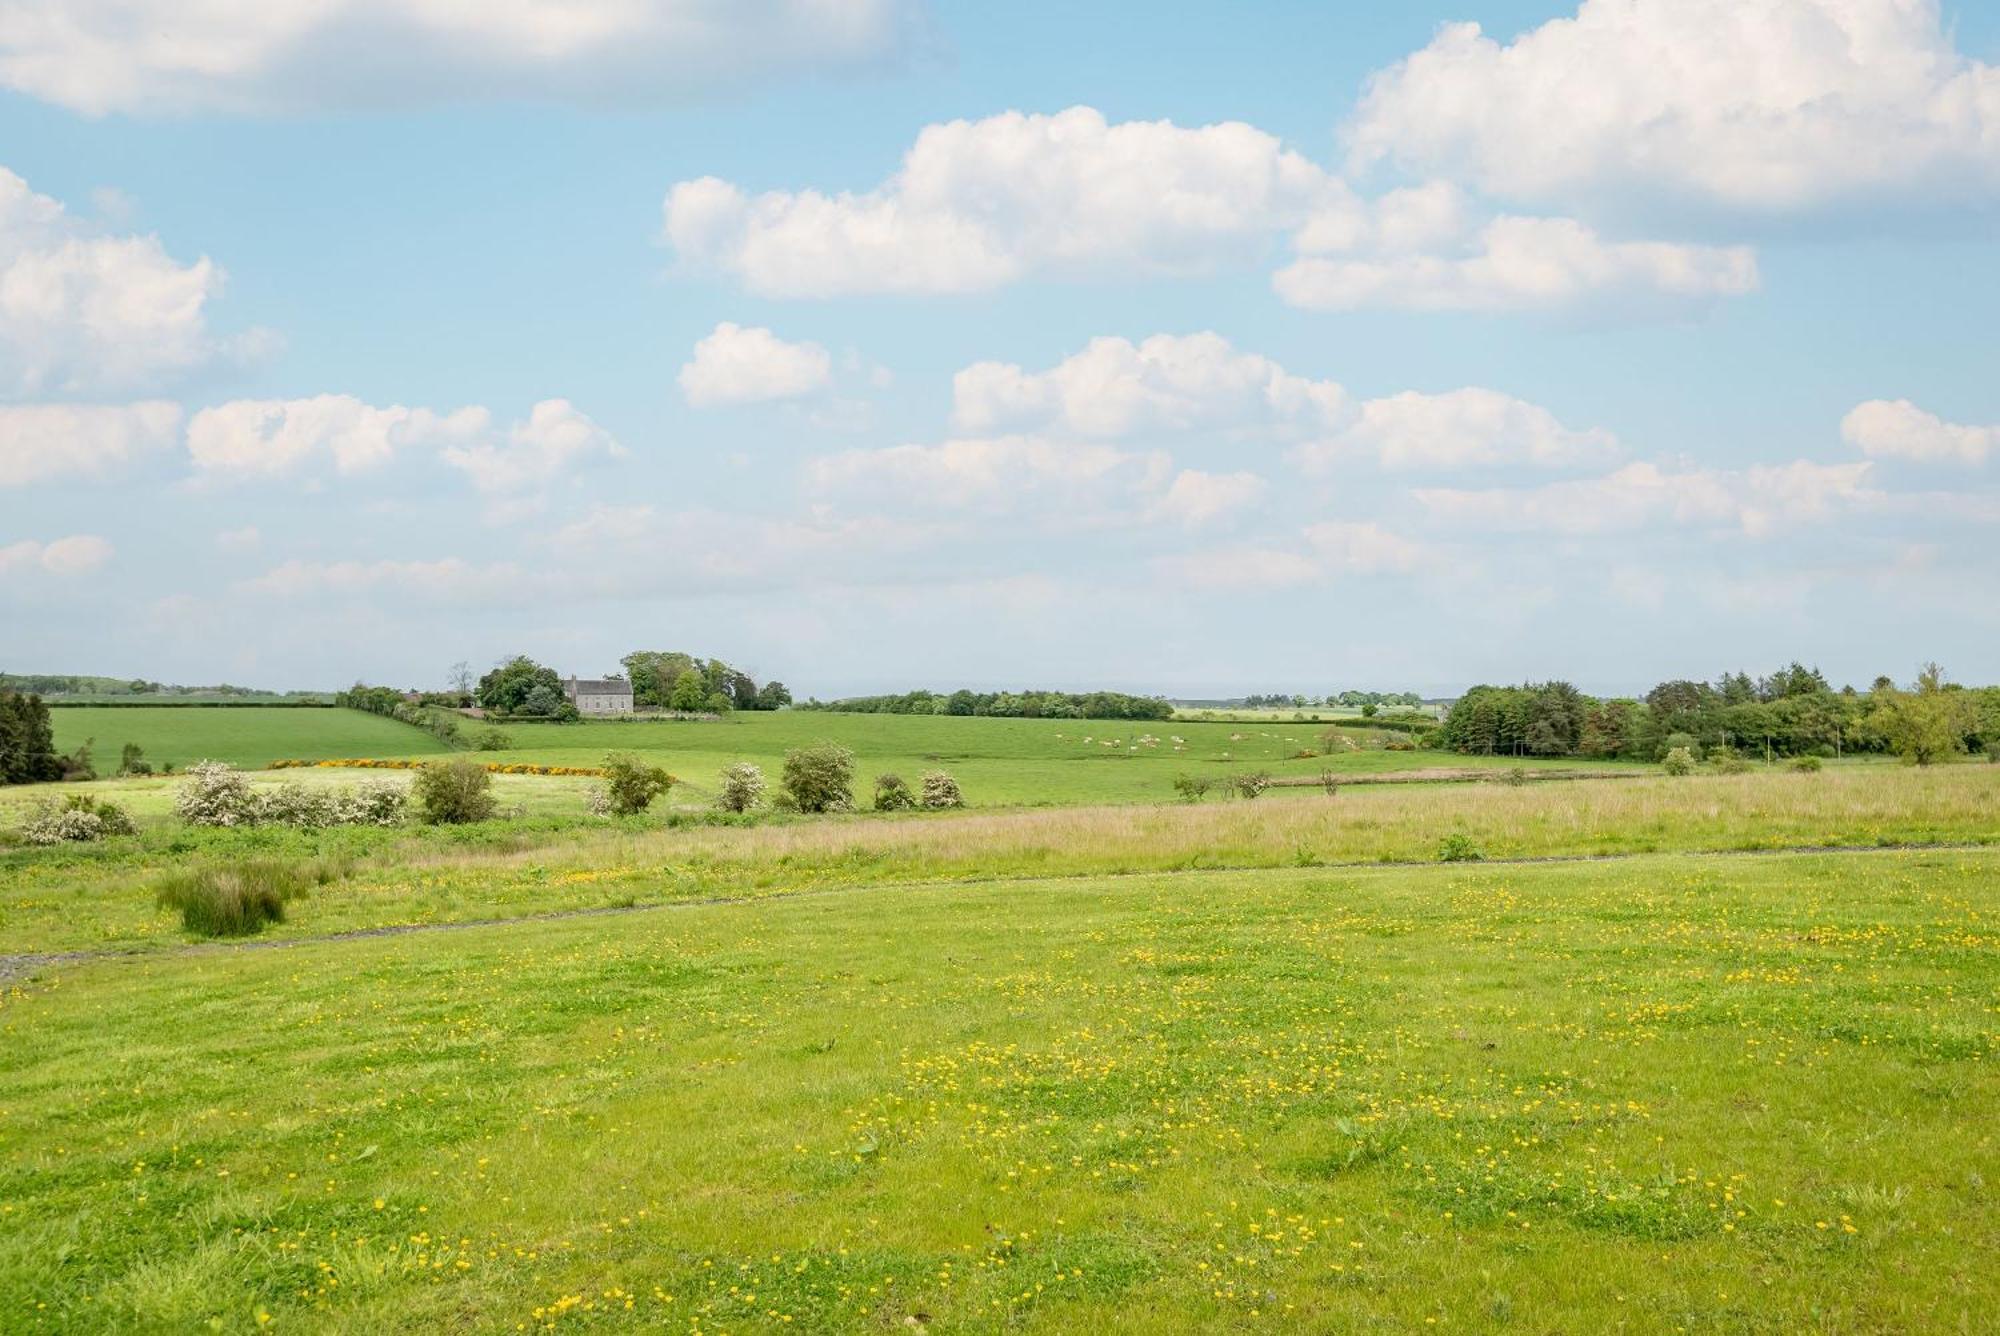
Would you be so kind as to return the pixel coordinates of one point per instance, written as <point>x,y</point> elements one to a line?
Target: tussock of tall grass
<point>238,900</point>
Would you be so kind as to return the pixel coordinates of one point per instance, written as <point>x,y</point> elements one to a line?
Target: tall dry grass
<point>1872,805</point>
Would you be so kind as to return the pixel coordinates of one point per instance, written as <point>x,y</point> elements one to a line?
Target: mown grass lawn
<point>1660,1094</point>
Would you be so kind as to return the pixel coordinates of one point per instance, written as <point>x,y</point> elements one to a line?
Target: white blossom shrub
<point>371,805</point>
<point>77,819</point>
<point>297,805</point>
<point>742,787</point>
<point>215,794</point>
<point>598,800</point>
<point>940,791</point>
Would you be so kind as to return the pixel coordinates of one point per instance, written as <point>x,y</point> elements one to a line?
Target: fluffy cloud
<point>1468,428</point>
<point>1115,388</point>
<point>1196,499</point>
<point>1898,429</point>
<point>269,438</point>
<point>275,437</point>
<point>738,365</point>
<point>555,437</point>
<point>40,441</point>
<point>1755,501</point>
<point>1764,108</point>
<point>1516,263</point>
<point>82,312</point>
<point>78,554</point>
<point>99,56</point>
<point>978,204</point>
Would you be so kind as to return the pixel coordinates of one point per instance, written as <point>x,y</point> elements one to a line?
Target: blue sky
<point>1191,349</point>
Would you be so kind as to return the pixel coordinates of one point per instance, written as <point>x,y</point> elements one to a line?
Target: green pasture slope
<point>997,761</point>
<point>249,736</point>
<point>1719,1094</point>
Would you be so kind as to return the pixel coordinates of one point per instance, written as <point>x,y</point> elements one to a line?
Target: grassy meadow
<point>247,736</point>
<point>1658,1094</point>
<point>998,761</point>
<point>1070,1055</point>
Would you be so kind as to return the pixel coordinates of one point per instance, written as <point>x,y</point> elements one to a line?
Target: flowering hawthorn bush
<point>742,787</point>
<point>940,791</point>
<point>78,818</point>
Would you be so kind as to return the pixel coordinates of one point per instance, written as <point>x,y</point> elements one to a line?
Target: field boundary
<point>18,965</point>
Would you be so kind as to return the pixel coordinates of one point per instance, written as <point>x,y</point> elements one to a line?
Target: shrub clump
<point>1807,765</point>
<point>1726,761</point>
<point>742,787</point>
<point>214,794</point>
<point>630,785</point>
<point>892,794</point>
<point>941,792</point>
<point>1251,785</point>
<point>78,818</point>
<point>1678,761</point>
<point>1192,788</point>
<point>453,793</point>
<point>820,778</point>
<point>237,901</point>
<point>1458,847</point>
<point>1330,782</point>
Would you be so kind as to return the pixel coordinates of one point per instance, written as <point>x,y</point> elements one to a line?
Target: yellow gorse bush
<point>493,767</point>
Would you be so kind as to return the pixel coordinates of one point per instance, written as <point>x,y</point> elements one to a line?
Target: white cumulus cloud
<point>739,365</point>
<point>978,204</point>
<point>1116,388</point>
<point>1514,263</point>
<point>995,475</point>
<point>555,437</point>
<point>101,56</point>
<point>85,312</point>
<point>79,554</point>
<point>276,437</point>
<point>41,441</point>
<point>1466,428</point>
<point>1898,429</point>
<point>1196,499</point>
<point>1756,107</point>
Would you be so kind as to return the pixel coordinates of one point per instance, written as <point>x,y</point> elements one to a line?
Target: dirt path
<point>24,965</point>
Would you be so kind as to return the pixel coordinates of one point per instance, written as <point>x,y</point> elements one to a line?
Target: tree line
<point>1006,704</point>
<point>1792,712</point>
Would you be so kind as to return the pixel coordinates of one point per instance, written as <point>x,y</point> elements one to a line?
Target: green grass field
<point>1238,1065</point>
<point>998,761</point>
<point>1660,1094</point>
<point>244,736</point>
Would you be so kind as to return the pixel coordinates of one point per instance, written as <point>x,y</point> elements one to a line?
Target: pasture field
<point>551,858</point>
<point>1664,1093</point>
<point>246,736</point>
<point>1000,762</point>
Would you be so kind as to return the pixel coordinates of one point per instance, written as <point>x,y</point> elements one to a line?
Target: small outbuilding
<point>599,696</point>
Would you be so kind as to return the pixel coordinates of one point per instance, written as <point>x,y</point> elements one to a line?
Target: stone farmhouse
<point>591,696</point>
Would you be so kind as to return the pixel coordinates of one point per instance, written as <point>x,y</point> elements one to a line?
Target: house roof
<point>593,686</point>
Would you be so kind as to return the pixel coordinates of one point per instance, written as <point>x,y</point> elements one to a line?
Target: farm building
<point>611,695</point>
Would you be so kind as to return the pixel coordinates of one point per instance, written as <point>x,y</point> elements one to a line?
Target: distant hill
<point>84,687</point>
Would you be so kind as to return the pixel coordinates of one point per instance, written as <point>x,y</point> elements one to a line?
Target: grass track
<point>1497,1097</point>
